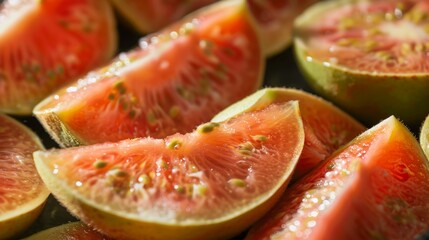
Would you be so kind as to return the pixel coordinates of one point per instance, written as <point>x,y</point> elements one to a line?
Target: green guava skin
<point>369,97</point>
<point>424,136</point>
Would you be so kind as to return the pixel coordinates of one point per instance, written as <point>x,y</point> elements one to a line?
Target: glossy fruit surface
<point>209,184</point>
<point>176,80</point>
<point>69,231</point>
<point>376,187</point>
<point>370,57</point>
<point>326,127</point>
<point>152,15</point>
<point>22,192</point>
<point>46,44</point>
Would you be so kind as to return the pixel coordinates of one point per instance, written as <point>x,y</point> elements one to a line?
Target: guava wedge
<point>212,183</point>
<point>177,79</point>
<point>368,57</point>
<point>69,231</point>
<point>424,136</point>
<point>47,44</point>
<point>326,127</point>
<point>152,15</point>
<point>275,19</point>
<point>376,187</point>
<point>22,192</point>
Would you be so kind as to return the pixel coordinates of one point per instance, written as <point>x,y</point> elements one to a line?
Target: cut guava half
<point>175,80</point>
<point>47,44</point>
<point>375,187</point>
<point>368,57</point>
<point>69,231</point>
<point>22,191</point>
<point>212,183</point>
<point>326,127</point>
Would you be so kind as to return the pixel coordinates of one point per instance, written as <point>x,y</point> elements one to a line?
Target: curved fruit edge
<point>269,95</point>
<point>139,26</point>
<point>61,232</point>
<point>20,219</point>
<point>53,125</point>
<point>60,132</point>
<point>424,137</point>
<point>91,212</point>
<point>343,86</point>
<point>108,54</point>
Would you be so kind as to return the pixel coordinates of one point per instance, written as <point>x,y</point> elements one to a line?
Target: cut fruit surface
<point>151,15</point>
<point>370,57</point>
<point>326,127</point>
<point>376,187</point>
<point>275,21</point>
<point>209,184</point>
<point>175,80</point>
<point>69,231</point>
<point>46,44</point>
<point>22,192</point>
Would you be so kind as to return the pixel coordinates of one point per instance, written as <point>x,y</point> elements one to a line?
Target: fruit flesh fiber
<point>47,44</point>
<point>326,127</point>
<point>375,187</point>
<point>187,186</point>
<point>201,67</point>
<point>371,73</point>
<point>22,192</point>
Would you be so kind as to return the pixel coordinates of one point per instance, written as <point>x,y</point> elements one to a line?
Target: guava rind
<point>424,136</point>
<point>15,221</point>
<point>125,225</point>
<point>56,115</point>
<point>370,97</point>
<point>48,36</point>
<point>373,197</point>
<point>323,133</point>
<point>68,231</point>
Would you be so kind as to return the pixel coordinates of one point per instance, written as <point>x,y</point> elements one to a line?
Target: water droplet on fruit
<point>309,59</point>
<point>78,184</point>
<point>174,35</point>
<point>311,224</point>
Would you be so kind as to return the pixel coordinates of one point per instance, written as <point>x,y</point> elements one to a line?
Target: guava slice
<point>69,231</point>
<point>152,15</point>
<point>368,57</point>
<point>275,19</point>
<point>424,136</point>
<point>376,187</point>
<point>211,183</point>
<point>46,44</point>
<point>22,192</point>
<point>177,79</point>
<point>326,127</point>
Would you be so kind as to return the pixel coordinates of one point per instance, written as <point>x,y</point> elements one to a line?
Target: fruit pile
<point>176,137</point>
